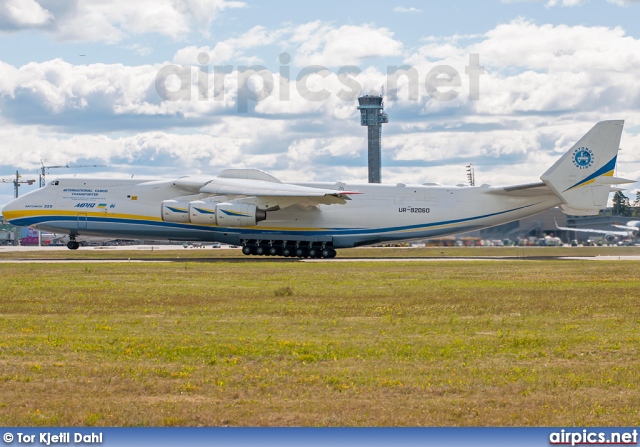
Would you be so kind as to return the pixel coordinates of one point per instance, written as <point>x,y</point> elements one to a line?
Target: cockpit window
<point>54,183</point>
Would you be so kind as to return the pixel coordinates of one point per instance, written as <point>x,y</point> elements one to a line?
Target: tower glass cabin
<point>372,115</point>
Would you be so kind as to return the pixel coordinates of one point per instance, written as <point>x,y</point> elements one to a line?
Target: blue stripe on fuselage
<point>28,221</point>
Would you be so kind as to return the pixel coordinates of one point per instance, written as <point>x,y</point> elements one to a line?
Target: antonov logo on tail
<point>266,216</point>
<point>583,157</point>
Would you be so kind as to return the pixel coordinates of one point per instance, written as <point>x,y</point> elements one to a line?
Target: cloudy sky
<point>176,87</point>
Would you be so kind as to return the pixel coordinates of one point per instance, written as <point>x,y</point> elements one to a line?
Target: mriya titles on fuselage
<point>161,210</point>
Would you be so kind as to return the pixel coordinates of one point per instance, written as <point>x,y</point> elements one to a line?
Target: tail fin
<point>582,176</point>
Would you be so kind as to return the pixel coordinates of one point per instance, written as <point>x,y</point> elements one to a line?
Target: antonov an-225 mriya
<point>251,208</point>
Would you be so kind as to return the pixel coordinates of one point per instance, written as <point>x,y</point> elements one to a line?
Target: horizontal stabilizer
<point>614,180</point>
<point>576,212</point>
<point>524,190</point>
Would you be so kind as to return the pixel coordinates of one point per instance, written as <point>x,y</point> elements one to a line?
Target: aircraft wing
<point>591,230</point>
<point>268,191</point>
<point>632,226</point>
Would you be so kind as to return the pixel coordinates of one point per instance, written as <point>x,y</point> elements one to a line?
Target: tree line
<point>622,206</point>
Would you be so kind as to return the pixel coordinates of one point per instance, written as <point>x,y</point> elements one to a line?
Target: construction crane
<point>44,168</point>
<point>16,182</point>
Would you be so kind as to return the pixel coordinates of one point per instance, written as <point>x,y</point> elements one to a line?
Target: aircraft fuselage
<point>131,208</point>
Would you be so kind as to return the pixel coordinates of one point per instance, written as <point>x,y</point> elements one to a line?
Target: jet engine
<point>238,214</point>
<point>175,211</point>
<point>225,214</point>
<point>201,212</point>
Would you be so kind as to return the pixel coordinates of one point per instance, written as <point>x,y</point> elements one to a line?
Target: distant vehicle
<point>216,245</point>
<point>574,242</point>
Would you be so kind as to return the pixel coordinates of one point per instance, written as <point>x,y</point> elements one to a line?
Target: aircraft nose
<point>11,211</point>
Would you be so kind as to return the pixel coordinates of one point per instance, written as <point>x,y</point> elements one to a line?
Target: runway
<point>177,253</point>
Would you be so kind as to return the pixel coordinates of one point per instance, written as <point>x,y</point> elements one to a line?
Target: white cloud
<point>543,68</point>
<point>113,20</point>
<point>16,14</point>
<point>402,9</point>
<point>623,2</point>
<point>231,50</point>
<point>141,50</point>
<point>313,43</point>
<point>308,150</point>
<point>529,68</point>
<point>321,44</point>
<point>564,3</point>
<point>543,88</point>
<point>160,152</point>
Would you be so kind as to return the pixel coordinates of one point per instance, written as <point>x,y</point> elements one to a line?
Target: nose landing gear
<point>73,244</point>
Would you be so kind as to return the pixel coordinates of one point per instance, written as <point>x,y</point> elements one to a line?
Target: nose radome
<point>12,210</point>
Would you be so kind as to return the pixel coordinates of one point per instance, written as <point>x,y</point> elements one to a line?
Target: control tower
<point>372,115</point>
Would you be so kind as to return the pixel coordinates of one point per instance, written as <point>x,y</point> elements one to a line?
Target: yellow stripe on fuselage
<point>20,214</point>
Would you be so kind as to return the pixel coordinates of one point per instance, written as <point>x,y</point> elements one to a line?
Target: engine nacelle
<point>175,211</point>
<point>201,212</point>
<point>238,214</point>
<point>224,214</point>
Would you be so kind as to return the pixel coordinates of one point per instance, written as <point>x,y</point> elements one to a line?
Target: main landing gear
<point>73,244</point>
<point>288,249</point>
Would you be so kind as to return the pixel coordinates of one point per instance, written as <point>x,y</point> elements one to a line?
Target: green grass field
<point>320,344</point>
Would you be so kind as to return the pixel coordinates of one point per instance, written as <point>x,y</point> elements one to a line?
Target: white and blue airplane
<point>631,229</point>
<point>252,208</point>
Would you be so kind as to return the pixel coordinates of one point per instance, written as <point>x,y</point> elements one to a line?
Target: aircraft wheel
<point>73,245</point>
<point>246,250</point>
<point>329,253</point>
<point>274,251</point>
<point>261,250</point>
<point>287,252</point>
<point>315,252</point>
<point>301,252</point>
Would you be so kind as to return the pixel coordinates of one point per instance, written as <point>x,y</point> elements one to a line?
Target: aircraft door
<point>82,221</point>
